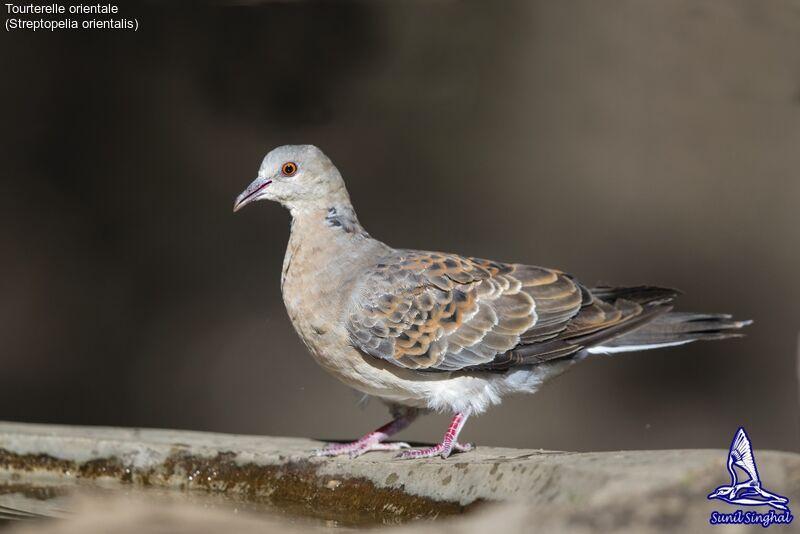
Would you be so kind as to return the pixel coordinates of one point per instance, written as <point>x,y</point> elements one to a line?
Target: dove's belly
<point>442,392</point>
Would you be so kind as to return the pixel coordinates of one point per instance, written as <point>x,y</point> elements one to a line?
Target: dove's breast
<point>321,267</point>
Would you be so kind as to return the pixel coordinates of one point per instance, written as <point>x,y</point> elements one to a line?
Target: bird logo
<point>747,492</point>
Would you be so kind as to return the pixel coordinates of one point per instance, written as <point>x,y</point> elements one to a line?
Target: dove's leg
<point>374,440</point>
<point>447,446</point>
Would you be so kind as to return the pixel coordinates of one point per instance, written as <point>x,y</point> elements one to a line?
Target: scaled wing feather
<point>443,312</point>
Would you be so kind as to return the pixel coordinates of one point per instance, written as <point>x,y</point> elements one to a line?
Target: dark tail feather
<point>645,295</point>
<point>675,328</point>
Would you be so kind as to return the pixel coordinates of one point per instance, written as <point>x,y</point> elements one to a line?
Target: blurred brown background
<point>625,142</point>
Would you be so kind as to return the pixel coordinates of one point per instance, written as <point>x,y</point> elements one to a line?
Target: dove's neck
<point>331,217</point>
<point>326,242</point>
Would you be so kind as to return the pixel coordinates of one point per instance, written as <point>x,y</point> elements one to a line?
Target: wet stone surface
<point>295,486</point>
<point>375,488</point>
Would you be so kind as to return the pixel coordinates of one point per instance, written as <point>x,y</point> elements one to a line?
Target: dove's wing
<point>742,454</point>
<point>443,312</point>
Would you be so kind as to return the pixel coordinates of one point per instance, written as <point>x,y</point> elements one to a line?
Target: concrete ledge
<point>376,488</point>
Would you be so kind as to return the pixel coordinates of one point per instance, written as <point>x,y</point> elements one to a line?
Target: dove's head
<point>299,177</point>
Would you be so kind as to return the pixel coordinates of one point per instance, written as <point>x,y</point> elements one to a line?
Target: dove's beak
<point>252,193</point>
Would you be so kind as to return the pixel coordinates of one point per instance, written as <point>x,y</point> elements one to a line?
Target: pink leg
<point>447,446</point>
<point>374,440</point>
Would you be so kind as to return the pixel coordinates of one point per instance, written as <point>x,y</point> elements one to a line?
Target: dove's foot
<point>448,445</point>
<point>370,442</point>
<point>374,441</point>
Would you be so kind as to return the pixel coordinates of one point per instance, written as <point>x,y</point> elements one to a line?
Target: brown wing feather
<point>581,334</point>
<point>443,312</point>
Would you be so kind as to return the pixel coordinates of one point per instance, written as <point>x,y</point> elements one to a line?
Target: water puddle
<point>23,499</point>
<point>43,486</point>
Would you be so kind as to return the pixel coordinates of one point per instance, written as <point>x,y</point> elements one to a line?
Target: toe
<point>439,450</point>
<point>394,446</point>
<point>430,452</point>
<point>355,453</point>
<point>335,449</point>
<point>357,448</point>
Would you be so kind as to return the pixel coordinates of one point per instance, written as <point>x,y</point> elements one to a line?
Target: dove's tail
<point>675,328</point>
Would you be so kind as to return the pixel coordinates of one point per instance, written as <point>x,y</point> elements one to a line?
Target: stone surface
<point>656,490</point>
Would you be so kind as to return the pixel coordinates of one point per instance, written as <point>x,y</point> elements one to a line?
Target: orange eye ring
<point>289,168</point>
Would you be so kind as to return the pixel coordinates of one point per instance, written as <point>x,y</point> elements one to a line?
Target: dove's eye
<point>289,168</point>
